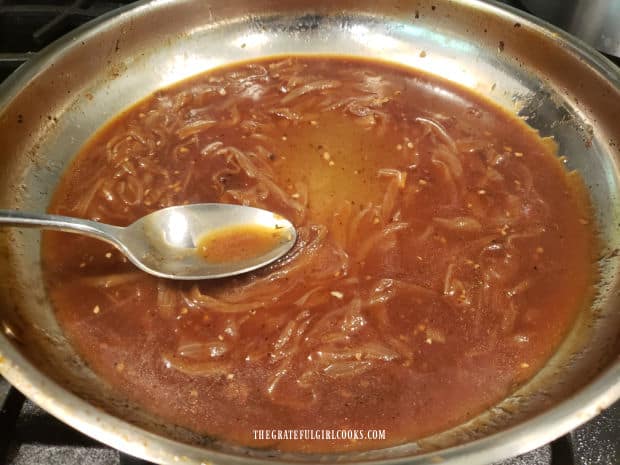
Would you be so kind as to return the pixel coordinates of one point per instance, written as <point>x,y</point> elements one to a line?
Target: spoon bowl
<point>168,243</point>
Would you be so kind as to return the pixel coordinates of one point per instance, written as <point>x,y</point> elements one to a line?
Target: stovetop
<point>30,436</point>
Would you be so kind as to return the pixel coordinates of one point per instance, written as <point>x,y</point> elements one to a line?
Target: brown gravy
<point>239,243</point>
<point>443,253</point>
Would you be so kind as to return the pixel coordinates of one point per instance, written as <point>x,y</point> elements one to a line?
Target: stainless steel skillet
<point>50,107</point>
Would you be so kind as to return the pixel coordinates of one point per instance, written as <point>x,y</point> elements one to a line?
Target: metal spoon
<point>164,243</point>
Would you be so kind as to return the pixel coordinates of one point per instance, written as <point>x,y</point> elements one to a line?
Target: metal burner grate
<point>26,27</point>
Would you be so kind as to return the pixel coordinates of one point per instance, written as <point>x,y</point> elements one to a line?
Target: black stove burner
<point>27,26</point>
<point>30,436</point>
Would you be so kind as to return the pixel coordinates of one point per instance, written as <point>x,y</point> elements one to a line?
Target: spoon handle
<point>102,231</point>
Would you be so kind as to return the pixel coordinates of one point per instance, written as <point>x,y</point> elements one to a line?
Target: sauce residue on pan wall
<point>443,253</point>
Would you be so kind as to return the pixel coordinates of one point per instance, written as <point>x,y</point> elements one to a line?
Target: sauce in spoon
<point>240,242</point>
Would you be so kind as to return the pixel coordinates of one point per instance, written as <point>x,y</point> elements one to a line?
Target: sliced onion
<point>195,127</point>
<point>310,87</point>
<point>202,350</point>
<point>112,280</point>
<point>347,368</point>
<point>193,368</point>
<point>439,130</point>
<point>374,239</point>
<point>459,223</point>
<point>286,113</point>
<point>195,298</point>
